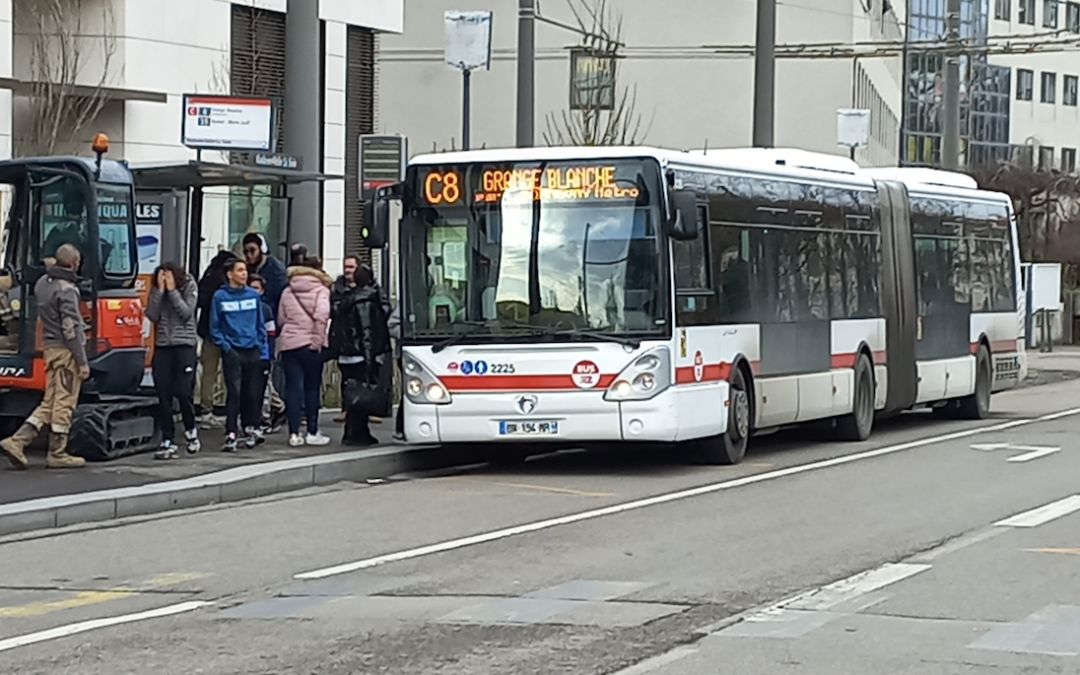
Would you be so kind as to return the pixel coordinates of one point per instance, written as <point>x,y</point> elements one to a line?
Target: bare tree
<point>1046,203</point>
<point>596,121</point>
<point>69,70</point>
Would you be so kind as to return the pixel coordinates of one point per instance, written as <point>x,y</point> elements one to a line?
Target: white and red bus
<point>579,295</point>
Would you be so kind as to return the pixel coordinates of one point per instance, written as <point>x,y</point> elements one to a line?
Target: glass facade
<point>984,89</point>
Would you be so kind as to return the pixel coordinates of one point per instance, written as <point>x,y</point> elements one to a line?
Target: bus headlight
<point>422,387</point>
<point>644,378</point>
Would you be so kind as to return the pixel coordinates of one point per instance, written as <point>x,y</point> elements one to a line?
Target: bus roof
<point>937,182</point>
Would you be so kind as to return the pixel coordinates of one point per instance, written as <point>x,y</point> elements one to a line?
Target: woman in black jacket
<point>361,339</point>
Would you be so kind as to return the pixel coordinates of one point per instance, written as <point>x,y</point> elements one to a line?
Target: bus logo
<point>586,374</point>
<point>526,404</point>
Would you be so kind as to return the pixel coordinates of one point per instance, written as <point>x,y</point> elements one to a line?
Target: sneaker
<point>194,445</point>
<point>253,437</point>
<point>230,443</point>
<point>399,437</point>
<point>209,421</point>
<point>167,451</point>
<point>317,439</point>
<point>296,440</point>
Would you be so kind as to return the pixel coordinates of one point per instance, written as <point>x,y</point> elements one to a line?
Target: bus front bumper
<point>562,417</point>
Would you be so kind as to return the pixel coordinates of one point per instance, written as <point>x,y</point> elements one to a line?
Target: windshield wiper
<point>455,339</point>
<point>595,335</point>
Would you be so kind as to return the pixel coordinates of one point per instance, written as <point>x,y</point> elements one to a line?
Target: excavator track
<point>114,427</point>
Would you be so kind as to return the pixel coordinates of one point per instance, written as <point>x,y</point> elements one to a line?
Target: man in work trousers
<point>66,367</point>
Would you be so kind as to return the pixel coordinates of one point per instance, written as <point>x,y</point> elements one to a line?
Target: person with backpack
<point>303,316</point>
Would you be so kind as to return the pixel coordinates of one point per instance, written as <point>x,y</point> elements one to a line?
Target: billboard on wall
<point>228,123</point>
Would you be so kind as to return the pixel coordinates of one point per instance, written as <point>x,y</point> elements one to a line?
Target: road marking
<point>1033,451</point>
<point>1043,514</point>
<point>536,526</point>
<point>84,598</point>
<point>844,590</point>
<point>1034,454</point>
<point>545,488</point>
<point>84,626</point>
<point>1067,551</point>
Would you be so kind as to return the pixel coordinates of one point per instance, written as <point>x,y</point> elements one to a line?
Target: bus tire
<point>730,447</point>
<point>977,405</point>
<point>857,425</point>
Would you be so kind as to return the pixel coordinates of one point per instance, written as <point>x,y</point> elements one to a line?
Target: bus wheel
<point>730,446</point>
<point>977,406</point>
<point>857,425</point>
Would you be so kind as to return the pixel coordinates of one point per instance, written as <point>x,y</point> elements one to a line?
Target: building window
<point>1072,16</point>
<point>1025,12</point>
<point>1046,157</point>
<point>1025,82</point>
<point>1050,13</point>
<point>1068,160</point>
<point>1049,88</point>
<point>360,87</point>
<point>1068,95</point>
<point>1001,9</point>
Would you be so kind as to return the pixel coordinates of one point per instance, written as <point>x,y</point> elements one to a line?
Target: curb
<point>229,485</point>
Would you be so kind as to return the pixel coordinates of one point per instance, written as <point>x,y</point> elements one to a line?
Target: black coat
<point>360,327</point>
<point>212,279</point>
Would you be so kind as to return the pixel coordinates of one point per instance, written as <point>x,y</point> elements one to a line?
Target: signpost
<point>468,47</point>
<point>592,79</point>
<point>233,123</point>
<point>852,128</point>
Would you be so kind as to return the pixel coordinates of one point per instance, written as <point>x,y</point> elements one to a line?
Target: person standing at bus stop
<point>238,329</point>
<point>64,336</point>
<point>171,308</point>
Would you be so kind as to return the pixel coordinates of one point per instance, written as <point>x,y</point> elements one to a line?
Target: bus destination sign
<point>446,186</point>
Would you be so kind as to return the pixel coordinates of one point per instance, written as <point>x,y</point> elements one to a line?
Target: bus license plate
<point>538,428</point>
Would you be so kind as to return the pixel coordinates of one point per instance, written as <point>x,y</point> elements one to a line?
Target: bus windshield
<point>556,247</point>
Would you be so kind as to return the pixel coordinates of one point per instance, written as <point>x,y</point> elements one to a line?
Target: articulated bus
<point>572,296</point>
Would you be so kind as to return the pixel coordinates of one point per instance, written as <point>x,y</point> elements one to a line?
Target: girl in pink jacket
<point>303,316</point>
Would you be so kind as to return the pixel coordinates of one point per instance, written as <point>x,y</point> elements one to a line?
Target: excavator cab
<point>88,203</point>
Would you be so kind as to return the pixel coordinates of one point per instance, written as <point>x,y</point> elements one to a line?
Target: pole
<point>466,93</point>
<point>765,74</point>
<point>303,118</point>
<point>950,127</point>
<point>526,82</point>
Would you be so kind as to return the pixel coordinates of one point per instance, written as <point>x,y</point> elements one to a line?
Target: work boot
<point>15,446</point>
<point>58,454</point>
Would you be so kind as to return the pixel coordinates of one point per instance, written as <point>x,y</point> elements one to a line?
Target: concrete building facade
<point>158,51</point>
<point>687,93</point>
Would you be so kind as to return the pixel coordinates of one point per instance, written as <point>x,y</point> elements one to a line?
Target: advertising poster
<point>148,224</point>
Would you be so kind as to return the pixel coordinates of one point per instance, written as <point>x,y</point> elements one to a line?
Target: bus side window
<point>695,298</point>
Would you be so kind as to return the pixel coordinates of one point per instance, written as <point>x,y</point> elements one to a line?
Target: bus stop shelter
<point>178,189</point>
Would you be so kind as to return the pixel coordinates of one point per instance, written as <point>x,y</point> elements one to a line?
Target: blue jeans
<point>303,387</point>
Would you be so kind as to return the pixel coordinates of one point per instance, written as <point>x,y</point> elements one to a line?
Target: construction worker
<point>64,338</point>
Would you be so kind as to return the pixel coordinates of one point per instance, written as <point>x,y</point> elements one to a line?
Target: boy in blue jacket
<point>238,328</point>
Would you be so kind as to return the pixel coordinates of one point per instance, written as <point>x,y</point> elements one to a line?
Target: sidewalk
<point>35,483</point>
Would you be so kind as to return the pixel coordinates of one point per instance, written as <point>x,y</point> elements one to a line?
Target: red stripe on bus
<point>997,346</point>
<point>517,382</point>
<point>710,372</point>
<point>847,360</point>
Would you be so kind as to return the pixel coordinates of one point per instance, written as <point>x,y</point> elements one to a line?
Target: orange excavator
<point>88,202</point>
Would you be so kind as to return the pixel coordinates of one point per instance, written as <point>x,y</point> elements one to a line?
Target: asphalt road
<point>916,552</point>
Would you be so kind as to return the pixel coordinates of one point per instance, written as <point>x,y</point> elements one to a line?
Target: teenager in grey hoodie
<point>172,304</point>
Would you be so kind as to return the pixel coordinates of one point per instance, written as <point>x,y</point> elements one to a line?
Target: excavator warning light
<point>100,144</point>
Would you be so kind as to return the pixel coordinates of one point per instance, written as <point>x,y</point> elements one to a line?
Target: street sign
<point>227,122</point>
<point>382,162</point>
<point>1030,452</point>
<point>468,40</point>
<point>592,79</point>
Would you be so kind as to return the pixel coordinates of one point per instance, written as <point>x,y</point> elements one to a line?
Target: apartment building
<point>141,56</point>
<point>687,66</point>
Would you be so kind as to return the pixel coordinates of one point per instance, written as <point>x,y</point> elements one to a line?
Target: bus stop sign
<point>382,162</point>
